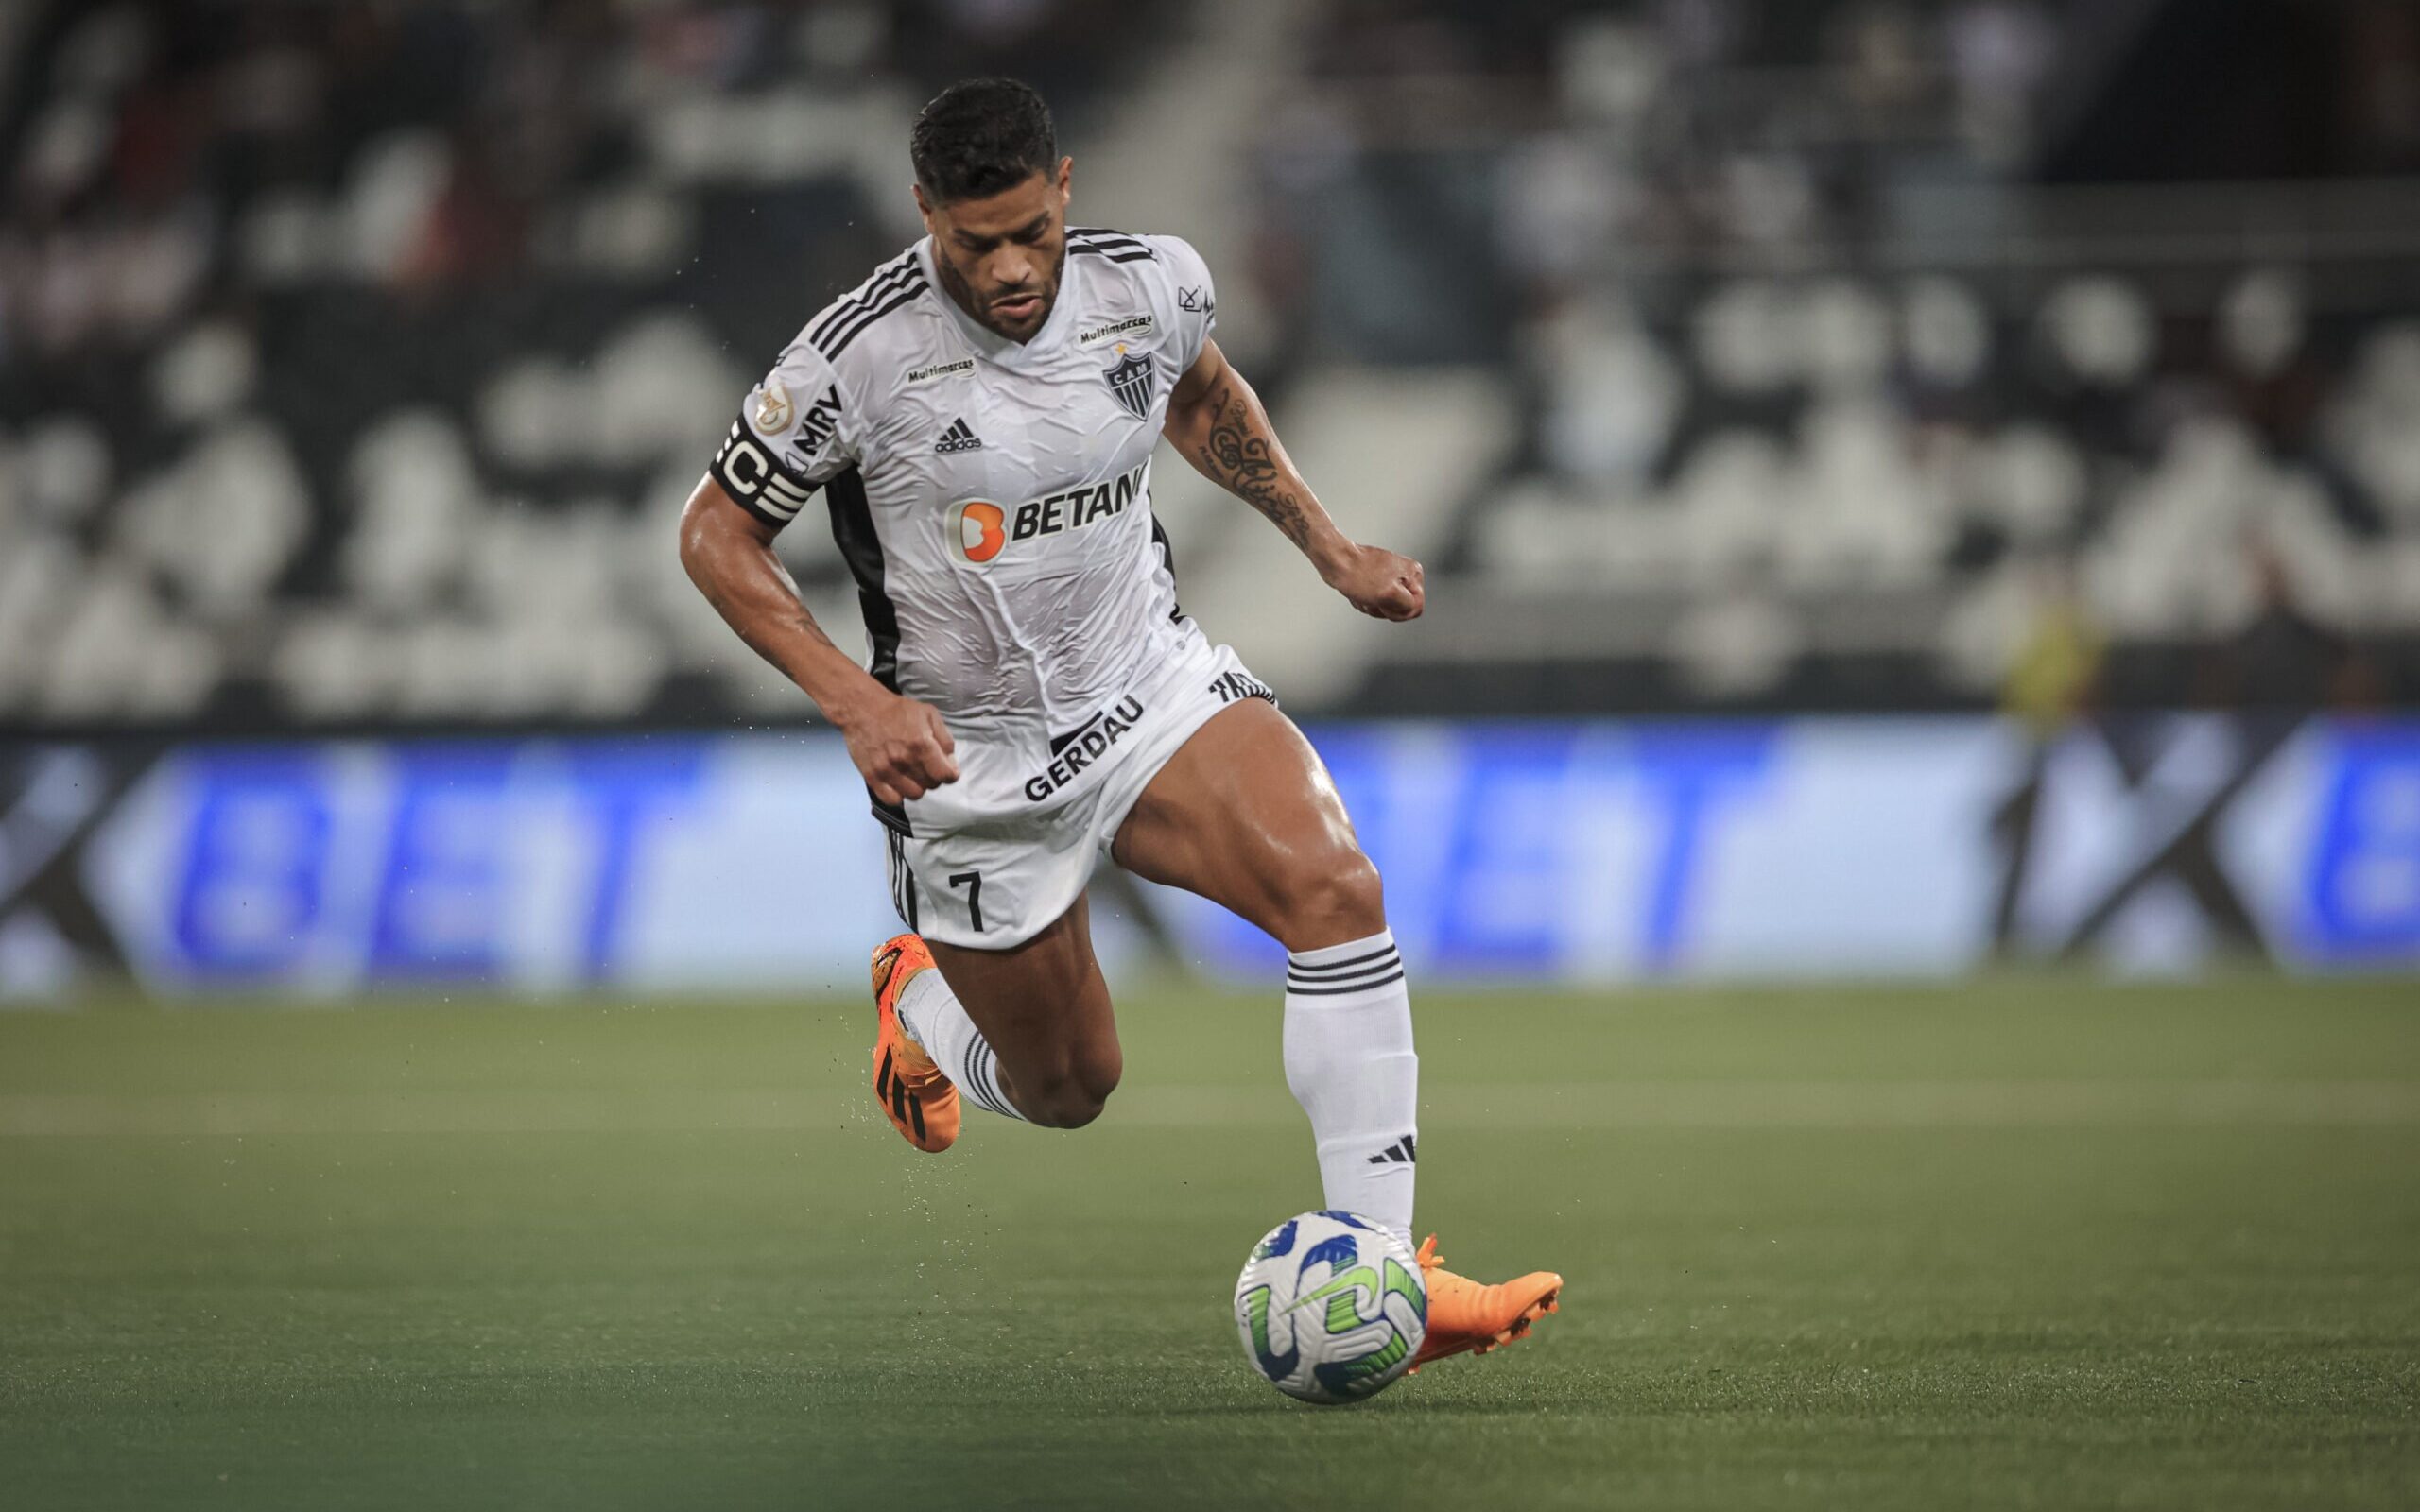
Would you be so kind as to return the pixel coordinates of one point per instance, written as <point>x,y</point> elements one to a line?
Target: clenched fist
<point>900,748</point>
<point>1380,583</point>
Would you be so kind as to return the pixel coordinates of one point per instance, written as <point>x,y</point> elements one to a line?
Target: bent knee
<point>1072,1096</point>
<point>1064,1105</point>
<point>1330,903</point>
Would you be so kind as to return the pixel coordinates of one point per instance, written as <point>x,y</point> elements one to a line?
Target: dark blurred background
<point>1839,359</point>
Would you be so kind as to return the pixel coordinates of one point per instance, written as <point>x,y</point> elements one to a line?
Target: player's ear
<point>1066,178</point>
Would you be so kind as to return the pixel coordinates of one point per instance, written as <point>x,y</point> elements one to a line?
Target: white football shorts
<point>989,860</point>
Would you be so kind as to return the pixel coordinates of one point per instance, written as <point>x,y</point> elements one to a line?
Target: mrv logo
<point>822,421</point>
<point>1083,746</point>
<point>979,530</point>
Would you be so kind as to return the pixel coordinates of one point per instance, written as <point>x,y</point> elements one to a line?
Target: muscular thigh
<point>1246,815</point>
<point>1043,1005</point>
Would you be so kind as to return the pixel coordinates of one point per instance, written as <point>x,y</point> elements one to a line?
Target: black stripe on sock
<point>973,1084</point>
<point>1306,969</point>
<point>1293,990</point>
<point>1361,974</point>
<point>980,1062</point>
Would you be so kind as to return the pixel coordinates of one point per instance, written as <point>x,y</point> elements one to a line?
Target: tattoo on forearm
<point>1237,451</point>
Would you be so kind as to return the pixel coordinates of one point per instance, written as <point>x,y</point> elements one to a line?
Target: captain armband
<point>748,471</point>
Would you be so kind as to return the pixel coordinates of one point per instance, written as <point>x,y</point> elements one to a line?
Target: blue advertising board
<point>1552,852</point>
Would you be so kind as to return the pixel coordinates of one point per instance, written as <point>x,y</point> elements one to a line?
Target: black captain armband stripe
<point>757,480</point>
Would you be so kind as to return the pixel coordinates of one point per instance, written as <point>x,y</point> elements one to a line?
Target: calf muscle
<point>1043,1008</point>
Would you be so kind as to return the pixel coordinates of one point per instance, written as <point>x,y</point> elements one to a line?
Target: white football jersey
<point>992,500</point>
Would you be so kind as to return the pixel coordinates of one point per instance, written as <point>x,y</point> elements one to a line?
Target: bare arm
<point>1218,422</point>
<point>900,745</point>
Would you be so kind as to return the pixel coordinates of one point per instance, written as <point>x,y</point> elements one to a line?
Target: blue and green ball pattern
<point>1331,1308</point>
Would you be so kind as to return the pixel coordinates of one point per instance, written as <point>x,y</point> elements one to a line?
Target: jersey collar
<point>989,344</point>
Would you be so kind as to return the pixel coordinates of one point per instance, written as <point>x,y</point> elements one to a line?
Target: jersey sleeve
<point>793,435</point>
<point>1197,300</point>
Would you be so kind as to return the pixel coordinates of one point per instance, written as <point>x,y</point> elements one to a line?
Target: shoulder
<point>1170,257</point>
<point>862,320</point>
<point>1112,246</point>
<point>1161,275</point>
<point>1168,265</point>
<point>858,342</point>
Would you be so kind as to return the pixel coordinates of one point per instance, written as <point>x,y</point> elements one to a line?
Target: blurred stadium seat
<point>357,354</point>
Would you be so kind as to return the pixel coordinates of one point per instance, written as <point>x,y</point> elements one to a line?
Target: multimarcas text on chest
<point>1127,326</point>
<point>979,530</point>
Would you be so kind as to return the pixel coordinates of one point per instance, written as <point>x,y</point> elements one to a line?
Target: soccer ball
<point>1331,1308</point>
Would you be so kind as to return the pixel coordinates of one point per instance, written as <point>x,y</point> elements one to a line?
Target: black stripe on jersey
<point>833,328</point>
<point>1146,255</point>
<point>1103,236</point>
<point>853,532</point>
<point>1168,559</point>
<point>840,342</point>
<point>861,549</point>
<point>865,296</point>
<point>903,882</point>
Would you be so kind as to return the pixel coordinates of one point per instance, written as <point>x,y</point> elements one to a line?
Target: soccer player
<point>980,415</point>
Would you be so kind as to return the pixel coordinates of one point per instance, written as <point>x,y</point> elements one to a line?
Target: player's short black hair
<point>980,136</point>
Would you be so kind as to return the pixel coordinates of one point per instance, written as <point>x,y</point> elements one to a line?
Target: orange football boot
<point>915,1096</point>
<point>1464,1315</point>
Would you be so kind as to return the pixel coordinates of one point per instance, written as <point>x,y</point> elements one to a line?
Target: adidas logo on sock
<point>957,438</point>
<point>1405,1151</point>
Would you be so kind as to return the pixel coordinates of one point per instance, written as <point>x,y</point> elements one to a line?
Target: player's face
<point>1000,256</point>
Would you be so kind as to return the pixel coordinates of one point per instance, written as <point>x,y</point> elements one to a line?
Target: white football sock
<point>1350,1063</point>
<point>932,1016</point>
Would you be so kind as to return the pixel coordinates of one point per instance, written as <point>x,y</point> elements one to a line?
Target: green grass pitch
<point>2027,1243</point>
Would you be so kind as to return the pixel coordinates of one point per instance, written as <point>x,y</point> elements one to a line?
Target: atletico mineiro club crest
<point>1130,379</point>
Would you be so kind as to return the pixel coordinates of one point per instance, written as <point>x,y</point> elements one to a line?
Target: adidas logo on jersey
<point>957,438</point>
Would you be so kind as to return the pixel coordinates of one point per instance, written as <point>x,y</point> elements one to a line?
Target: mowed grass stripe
<point>1561,1105</point>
